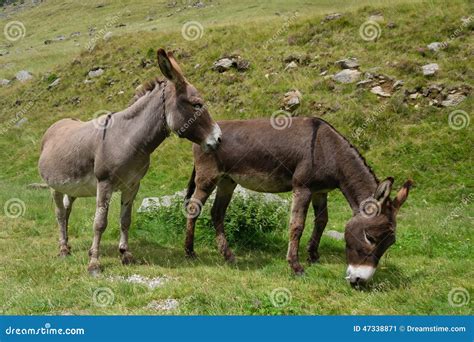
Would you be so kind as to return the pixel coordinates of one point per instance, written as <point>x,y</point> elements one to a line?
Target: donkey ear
<point>383,190</point>
<point>402,194</point>
<point>169,67</point>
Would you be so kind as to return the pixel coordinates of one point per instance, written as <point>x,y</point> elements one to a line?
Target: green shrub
<point>251,222</point>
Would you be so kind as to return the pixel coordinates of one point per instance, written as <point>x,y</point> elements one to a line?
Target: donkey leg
<point>319,202</point>
<point>301,199</point>
<point>61,217</point>
<point>68,201</point>
<point>193,210</point>
<point>125,220</point>
<point>225,189</point>
<point>104,193</point>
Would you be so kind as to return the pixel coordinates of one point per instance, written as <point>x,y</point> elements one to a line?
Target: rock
<point>377,18</point>
<point>391,25</point>
<point>348,63</point>
<point>242,64</point>
<point>4,82</point>
<point>96,72</point>
<point>347,76</point>
<point>453,100</point>
<point>149,18</point>
<point>21,122</point>
<point>222,64</point>
<point>75,34</point>
<point>335,234</point>
<point>59,38</point>
<point>54,83</point>
<point>4,53</point>
<point>87,81</point>
<point>23,76</point>
<point>152,283</point>
<point>37,186</point>
<point>332,16</point>
<point>108,35</point>
<point>291,66</point>
<point>379,91</point>
<point>292,100</point>
<point>364,83</point>
<point>430,69</point>
<point>414,96</point>
<point>397,84</point>
<point>435,46</point>
<point>163,305</point>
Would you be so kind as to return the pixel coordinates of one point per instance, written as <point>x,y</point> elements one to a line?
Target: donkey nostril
<point>357,279</point>
<point>219,140</point>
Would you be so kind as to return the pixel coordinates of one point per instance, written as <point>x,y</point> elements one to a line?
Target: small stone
<point>348,63</point>
<point>335,234</point>
<point>4,53</point>
<point>241,64</point>
<point>121,92</point>
<point>163,305</point>
<point>430,69</point>
<point>75,34</point>
<point>54,83</point>
<point>379,91</point>
<point>398,84</point>
<point>453,100</point>
<point>323,73</point>
<point>347,76</point>
<point>292,100</point>
<point>108,35</point>
<point>222,64</point>
<point>290,66</point>
<point>23,76</point>
<point>96,72</point>
<point>37,186</point>
<point>4,82</point>
<point>87,81</point>
<point>377,18</point>
<point>332,16</point>
<point>414,96</point>
<point>391,25</point>
<point>363,83</point>
<point>435,46</point>
<point>21,122</point>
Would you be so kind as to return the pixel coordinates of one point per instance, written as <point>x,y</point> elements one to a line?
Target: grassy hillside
<point>399,136</point>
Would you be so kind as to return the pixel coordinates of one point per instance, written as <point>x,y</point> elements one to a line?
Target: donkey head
<point>372,231</point>
<point>186,113</point>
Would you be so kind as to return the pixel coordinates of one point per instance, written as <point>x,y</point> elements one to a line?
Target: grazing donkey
<point>309,158</point>
<point>112,153</point>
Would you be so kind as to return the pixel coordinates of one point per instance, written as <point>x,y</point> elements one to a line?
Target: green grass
<point>433,253</point>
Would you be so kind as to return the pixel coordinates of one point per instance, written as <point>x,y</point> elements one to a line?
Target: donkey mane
<point>352,147</point>
<point>145,87</point>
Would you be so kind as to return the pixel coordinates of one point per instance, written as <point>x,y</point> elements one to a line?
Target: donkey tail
<point>191,185</point>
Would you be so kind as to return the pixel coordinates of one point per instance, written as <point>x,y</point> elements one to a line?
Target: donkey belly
<point>262,182</point>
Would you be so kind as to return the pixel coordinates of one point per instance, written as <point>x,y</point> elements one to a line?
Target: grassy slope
<point>417,273</point>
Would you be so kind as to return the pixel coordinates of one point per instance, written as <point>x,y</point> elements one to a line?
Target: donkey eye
<point>197,106</point>
<point>370,238</point>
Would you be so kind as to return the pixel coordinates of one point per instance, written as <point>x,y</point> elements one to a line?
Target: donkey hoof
<point>94,269</point>
<point>127,258</point>
<point>230,258</point>
<point>64,251</point>
<point>191,255</point>
<point>312,259</point>
<point>298,270</point>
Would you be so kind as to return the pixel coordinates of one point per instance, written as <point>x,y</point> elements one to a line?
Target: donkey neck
<point>355,178</point>
<point>144,122</point>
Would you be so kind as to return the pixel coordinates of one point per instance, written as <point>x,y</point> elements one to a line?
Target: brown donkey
<point>112,153</point>
<point>309,158</point>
